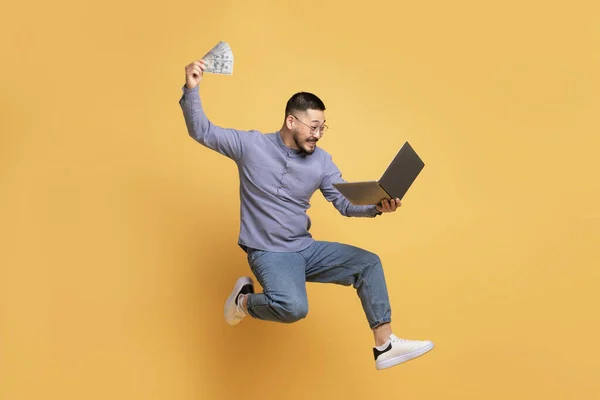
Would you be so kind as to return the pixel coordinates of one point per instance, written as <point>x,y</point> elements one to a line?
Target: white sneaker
<point>233,311</point>
<point>396,351</point>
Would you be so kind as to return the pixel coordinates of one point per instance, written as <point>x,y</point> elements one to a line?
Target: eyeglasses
<point>313,129</point>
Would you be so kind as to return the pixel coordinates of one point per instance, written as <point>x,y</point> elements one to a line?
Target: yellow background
<point>119,231</point>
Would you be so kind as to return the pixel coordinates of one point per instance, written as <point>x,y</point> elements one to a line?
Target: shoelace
<point>398,340</point>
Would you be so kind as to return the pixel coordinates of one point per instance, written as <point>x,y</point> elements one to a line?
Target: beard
<point>305,145</point>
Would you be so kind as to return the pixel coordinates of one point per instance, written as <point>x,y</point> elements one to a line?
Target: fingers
<point>196,68</point>
<point>193,73</point>
<point>389,205</point>
<point>384,206</point>
<point>200,64</point>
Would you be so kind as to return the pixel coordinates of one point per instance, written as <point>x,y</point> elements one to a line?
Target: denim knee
<point>374,259</point>
<point>292,311</point>
<point>371,260</point>
<point>369,263</point>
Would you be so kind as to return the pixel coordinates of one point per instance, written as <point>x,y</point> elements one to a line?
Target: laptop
<point>394,183</point>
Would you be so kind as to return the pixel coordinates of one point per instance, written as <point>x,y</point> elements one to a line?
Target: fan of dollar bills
<point>219,60</point>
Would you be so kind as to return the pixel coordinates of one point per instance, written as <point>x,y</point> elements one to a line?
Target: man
<point>279,172</point>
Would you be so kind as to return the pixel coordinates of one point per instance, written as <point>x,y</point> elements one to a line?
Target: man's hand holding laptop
<point>388,206</point>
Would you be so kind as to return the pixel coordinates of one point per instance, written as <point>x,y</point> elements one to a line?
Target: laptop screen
<point>402,172</point>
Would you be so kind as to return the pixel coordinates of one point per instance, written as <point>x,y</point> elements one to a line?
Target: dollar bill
<point>219,60</point>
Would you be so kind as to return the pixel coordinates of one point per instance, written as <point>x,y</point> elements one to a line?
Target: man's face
<point>307,129</point>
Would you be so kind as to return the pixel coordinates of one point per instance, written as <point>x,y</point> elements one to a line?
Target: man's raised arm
<point>225,141</point>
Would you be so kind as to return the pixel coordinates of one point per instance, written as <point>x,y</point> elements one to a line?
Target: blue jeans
<point>283,277</point>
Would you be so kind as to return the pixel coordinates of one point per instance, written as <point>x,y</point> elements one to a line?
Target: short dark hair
<point>303,101</point>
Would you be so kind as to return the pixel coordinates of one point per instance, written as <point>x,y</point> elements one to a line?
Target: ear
<point>288,121</point>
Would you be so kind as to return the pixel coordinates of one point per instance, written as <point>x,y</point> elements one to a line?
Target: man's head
<point>305,121</point>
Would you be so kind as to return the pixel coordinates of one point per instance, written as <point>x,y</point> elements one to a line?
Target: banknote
<point>219,60</point>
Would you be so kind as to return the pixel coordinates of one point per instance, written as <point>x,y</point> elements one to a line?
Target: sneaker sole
<point>230,302</point>
<point>403,358</point>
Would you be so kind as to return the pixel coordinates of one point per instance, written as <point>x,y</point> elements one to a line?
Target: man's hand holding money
<point>194,73</point>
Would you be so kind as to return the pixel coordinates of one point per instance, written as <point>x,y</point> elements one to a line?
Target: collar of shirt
<point>286,150</point>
